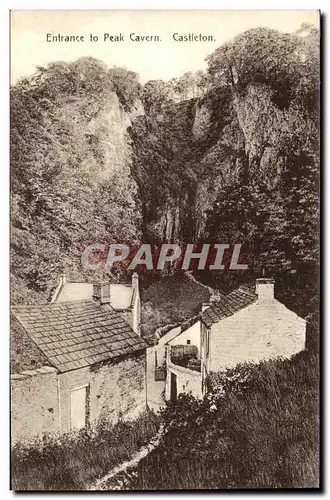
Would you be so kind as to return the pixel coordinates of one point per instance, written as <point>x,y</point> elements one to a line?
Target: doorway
<point>79,407</point>
<point>174,390</point>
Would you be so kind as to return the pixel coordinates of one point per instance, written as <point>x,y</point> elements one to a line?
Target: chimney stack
<point>135,281</point>
<point>136,304</point>
<point>101,292</point>
<point>265,289</point>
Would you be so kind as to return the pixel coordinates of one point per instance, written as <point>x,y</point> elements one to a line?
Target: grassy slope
<point>257,429</point>
<point>170,299</point>
<point>73,461</point>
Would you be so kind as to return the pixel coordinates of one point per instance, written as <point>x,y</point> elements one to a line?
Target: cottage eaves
<point>228,305</point>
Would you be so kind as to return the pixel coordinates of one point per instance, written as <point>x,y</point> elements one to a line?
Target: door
<point>78,401</point>
<point>173,387</point>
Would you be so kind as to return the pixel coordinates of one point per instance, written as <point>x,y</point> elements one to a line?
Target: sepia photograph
<point>164,250</point>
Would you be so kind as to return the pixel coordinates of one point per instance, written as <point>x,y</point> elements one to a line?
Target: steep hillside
<point>71,182</point>
<point>240,163</point>
<point>96,157</point>
<point>252,130</point>
<point>170,299</point>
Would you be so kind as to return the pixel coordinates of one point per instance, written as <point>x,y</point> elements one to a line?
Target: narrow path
<point>214,293</point>
<point>101,484</point>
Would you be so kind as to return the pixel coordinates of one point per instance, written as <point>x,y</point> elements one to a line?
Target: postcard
<point>165,250</point>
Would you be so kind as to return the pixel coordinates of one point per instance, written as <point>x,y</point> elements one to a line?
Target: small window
<point>188,341</point>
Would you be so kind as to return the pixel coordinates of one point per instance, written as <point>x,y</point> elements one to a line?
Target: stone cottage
<point>88,362</point>
<point>247,325</point>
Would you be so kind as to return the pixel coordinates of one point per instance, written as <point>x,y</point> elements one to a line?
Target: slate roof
<point>229,304</point>
<point>24,354</point>
<point>78,333</point>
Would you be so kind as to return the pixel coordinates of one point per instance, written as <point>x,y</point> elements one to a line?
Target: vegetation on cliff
<point>71,183</point>
<point>241,163</point>
<point>230,155</point>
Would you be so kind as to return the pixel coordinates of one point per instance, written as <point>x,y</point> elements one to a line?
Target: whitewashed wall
<point>261,331</point>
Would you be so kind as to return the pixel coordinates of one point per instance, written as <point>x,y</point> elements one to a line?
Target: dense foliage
<point>255,129</point>
<point>70,174</point>
<point>256,428</point>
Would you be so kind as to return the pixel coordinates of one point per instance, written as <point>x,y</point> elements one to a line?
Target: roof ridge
<point>91,282</point>
<point>51,304</point>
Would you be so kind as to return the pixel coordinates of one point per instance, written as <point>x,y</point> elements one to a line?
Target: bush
<point>256,428</point>
<point>73,461</point>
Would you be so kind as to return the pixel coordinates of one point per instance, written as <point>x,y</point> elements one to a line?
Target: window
<point>188,341</point>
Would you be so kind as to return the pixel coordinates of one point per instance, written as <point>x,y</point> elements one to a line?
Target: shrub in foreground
<point>256,428</point>
<point>73,461</point>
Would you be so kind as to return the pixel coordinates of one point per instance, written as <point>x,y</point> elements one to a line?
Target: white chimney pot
<point>101,293</point>
<point>265,289</point>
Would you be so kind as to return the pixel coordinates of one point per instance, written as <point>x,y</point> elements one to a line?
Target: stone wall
<point>41,399</point>
<point>261,331</point>
<point>34,403</point>
<point>24,354</point>
<point>155,388</point>
<point>156,356</point>
<point>188,381</point>
<point>115,390</point>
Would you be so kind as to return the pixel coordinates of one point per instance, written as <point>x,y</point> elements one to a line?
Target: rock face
<point>104,159</point>
<point>261,123</point>
<point>184,155</point>
<point>112,123</point>
<point>71,170</point>
<point>202,121</point>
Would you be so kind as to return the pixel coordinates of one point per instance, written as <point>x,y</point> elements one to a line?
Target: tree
<point>126,85</point>
<point>156,94</point>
